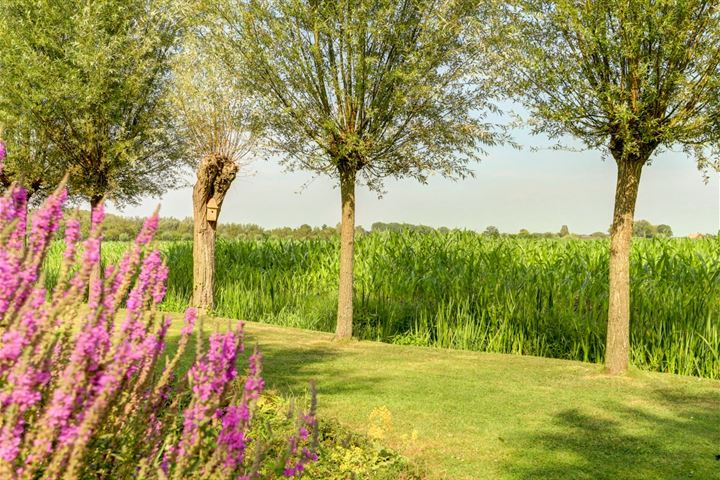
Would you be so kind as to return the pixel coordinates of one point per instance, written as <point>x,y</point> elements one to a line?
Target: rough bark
<point>215,174</point>
<point>618,329</point>
<point>347,249</point>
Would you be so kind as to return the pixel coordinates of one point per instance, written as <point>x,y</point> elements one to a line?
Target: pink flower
<point>10,439</point>
<point>232,435</point>
<point>72,235</point>
<point>97,217</point>
<point>190,319</point>
<point>71,369</point>
<point>148,230</point>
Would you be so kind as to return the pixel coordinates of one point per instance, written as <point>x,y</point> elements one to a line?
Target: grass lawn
<point>467,415</point>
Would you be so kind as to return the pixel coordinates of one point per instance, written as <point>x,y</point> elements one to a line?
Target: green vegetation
<point>463,290</point>
<point>466,415</point>
<point>645,229</point>
<point>630,78</point>
<point>362,91</point>
<point>342,453</point>
<point>119,97</point>
<point>121,228</point>
<point>84,90</point>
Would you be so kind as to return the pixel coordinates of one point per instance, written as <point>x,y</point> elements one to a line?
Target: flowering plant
<point>82,390</point>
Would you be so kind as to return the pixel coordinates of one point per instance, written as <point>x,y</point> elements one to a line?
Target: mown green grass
<point>467,415</point>
<point>465,291</point>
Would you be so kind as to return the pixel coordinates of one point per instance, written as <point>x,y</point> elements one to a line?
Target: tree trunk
<point>215,174</point>
<point>96,272</point>
<point>203,253</point>
<point>347,249</point>
<point>618,327</point>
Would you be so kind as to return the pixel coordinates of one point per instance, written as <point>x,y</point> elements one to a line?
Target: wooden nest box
<point>212,210</point>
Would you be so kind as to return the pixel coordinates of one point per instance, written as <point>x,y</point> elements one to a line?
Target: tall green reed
<point>545,297</point>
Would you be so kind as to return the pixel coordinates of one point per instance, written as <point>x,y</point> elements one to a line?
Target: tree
<point>564,231</point>
<point>644,229</point>
<point>216,122</point>
<point>491,231</point>
<point>362,90</point>
<point>630,77</point>
<point>83,88</point>
<point>664,231</point>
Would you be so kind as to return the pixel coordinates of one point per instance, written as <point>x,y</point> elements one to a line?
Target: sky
<point>539,190</point>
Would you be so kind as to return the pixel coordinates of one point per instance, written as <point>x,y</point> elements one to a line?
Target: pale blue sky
<point>512,189</point>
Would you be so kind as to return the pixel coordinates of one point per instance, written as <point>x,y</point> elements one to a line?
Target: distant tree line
<point>641,228</point>
<point>645,229</point>
<point>122,228</point>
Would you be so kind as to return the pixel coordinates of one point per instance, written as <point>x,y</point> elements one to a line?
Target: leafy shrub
<point>346,455</point>
<point>343,454</point>
<point>82,390</point>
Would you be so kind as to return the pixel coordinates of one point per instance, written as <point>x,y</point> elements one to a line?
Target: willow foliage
<point>381,87</point>
<point>87,83</point>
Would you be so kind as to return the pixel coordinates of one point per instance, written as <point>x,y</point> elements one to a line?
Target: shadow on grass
<point>681,442</point>
<point>290,369</point>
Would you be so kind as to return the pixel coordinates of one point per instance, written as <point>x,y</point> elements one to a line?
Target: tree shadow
<point>681,440</point>
<point>290,369</point>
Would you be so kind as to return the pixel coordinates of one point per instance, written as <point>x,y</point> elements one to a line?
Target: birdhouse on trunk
<point>212,210</point>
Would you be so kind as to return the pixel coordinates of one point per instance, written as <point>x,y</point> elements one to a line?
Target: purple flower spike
<point>232,436</point>
<point>72,235</point>
<point>190,319</point>
<point>97,217</point>
<point>148,230</point>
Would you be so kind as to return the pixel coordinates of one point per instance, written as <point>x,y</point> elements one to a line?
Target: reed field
<point>462,290</point>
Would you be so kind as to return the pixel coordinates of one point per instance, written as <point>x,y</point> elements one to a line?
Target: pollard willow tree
<point>216,123</point>
<point>362,90</point>
<point>632,77</point>
<point>88,83</point>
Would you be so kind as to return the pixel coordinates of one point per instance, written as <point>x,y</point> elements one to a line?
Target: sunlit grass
<point>466,415</point>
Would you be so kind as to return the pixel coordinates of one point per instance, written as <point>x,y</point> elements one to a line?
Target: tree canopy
<point>385,86</point>
<point>87,83</point>
<point>31,162</point>
<point>214,114</point>
<point>645,229</point>
<point>623,75</point>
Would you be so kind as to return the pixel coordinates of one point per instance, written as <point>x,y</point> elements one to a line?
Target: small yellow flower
<point>380,420</point>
